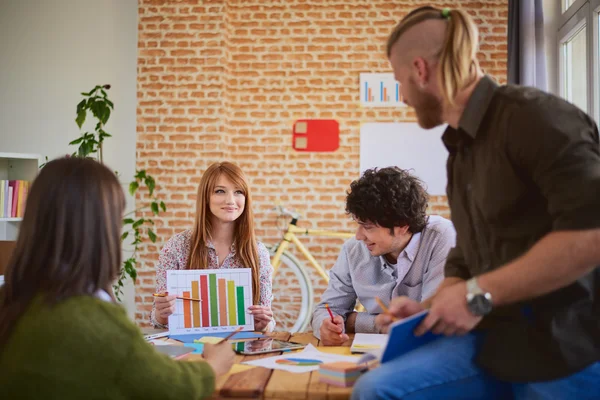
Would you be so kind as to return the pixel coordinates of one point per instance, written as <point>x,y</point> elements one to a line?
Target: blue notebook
<point>190,337</point>
<point>402,338</point>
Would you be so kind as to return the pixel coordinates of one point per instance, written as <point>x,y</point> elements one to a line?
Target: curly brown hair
<point>389,197</point>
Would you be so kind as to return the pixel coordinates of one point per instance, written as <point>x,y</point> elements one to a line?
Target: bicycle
<point>296,271</point>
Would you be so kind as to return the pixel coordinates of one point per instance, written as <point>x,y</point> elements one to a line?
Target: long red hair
<point>244,238</point>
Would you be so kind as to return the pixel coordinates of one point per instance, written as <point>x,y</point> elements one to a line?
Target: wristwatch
<point>479,302</point>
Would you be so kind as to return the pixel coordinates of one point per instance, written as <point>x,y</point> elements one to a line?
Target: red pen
<point>331,315</point>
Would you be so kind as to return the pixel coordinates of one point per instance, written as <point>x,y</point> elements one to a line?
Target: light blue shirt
<point>357,275</point>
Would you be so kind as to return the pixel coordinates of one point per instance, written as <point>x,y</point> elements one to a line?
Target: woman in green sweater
<point>62,336</point>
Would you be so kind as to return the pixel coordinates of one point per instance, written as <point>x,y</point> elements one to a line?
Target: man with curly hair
<point>398,251</point>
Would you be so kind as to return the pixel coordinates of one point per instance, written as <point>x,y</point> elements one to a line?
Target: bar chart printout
<point>224,297</point>
<point>380,90</point>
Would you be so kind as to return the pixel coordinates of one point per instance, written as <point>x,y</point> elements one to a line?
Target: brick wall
<point>226,79</point>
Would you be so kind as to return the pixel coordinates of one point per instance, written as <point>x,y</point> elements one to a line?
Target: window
<point>565,4</point>
<point>575,83</point>
<point>596,63</point>
<point>579,49</point>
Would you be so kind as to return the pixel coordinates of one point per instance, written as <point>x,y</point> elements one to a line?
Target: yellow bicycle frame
<point>290,236</point>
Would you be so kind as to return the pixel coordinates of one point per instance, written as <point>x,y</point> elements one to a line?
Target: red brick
<point>228,82</point>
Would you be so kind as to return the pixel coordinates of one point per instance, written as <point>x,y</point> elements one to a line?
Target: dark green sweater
<point>86,348</point>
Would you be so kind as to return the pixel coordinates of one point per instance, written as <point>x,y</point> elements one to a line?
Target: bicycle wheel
<point>292,295</point>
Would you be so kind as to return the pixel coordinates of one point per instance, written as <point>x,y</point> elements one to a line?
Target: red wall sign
<point>316,135</point>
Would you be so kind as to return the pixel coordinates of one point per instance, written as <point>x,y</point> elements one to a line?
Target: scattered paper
<point>189,338</point>
<point>310,352</point>
<point>209,339</point>
<point>198,347</point>
<point>159,342</point>
<point>364,342</point>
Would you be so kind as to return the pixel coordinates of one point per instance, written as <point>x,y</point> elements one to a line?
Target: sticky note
<point>209,339</point>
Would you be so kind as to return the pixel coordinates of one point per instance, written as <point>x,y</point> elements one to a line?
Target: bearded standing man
<point>520,302</point>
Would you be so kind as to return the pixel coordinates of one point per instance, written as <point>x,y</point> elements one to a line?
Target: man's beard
<point>429,110</point>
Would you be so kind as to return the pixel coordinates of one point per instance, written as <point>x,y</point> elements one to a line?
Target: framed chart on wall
<point>214,300</point>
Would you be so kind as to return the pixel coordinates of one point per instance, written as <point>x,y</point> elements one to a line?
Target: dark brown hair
<point>389,197</point>
<point>458,55</point>
<point>69,240</point>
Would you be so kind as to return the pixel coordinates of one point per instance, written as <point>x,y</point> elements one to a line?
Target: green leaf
<point>110,104</point>
<point>137,223</point>
<point>133,186</point>
<point>124,235</point>
<point>163,206</point>
<point>141,174</point>
<point>80,106</point>
<point>81,152</point>
<point>80,118</point>
<point>76,141</point>
<point>151,183</point>
<point>128,221</point>
<point>105,113</point>
<point>154,207</point>
<point>151,235</point>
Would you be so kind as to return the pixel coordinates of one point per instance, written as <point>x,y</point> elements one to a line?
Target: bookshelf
<point>16,166</point>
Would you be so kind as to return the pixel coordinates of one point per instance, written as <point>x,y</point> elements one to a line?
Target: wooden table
<point>262,383</point>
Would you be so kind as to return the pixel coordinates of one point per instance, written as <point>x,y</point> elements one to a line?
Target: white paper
<point>366,342</point>
<point>226,314</point>
<point>159,342</point>
<point>408,146</point>
<point>310,352</point>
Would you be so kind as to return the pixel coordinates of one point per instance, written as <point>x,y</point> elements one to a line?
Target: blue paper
<point>198,347</point>
<point>190,337</point>
<point>402,338</point>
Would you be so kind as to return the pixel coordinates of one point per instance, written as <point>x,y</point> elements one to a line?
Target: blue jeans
<point>444,369</point>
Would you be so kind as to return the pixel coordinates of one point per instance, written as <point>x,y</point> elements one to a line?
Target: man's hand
<point>449,314</point>
<point>332,333</point>
<point>400,307</point>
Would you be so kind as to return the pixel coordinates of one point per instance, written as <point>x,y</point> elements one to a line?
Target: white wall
<point>551,19</point>
<point>50,51</point>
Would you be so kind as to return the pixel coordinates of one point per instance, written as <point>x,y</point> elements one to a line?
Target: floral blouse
<point>174,255</point>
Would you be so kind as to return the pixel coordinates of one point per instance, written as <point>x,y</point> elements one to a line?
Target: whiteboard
<point>407,146</point>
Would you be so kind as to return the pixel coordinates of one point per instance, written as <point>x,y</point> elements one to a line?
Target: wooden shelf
<point>16,166</point>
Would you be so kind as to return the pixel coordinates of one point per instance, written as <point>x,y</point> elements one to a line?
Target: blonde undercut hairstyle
<point>458,54</point>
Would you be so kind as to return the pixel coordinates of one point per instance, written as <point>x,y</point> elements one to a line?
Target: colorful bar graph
<point>379,90</point>
<point>204,298</point>
<point>214,306</point>
<point>231,302</point>
<point>187,310</point>
<point>223,297</point>
<point>223,302</point>
<point>196,306</point>
<point>240,306</point>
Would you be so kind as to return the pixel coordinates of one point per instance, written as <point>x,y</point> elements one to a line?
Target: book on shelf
<point>13,196</point>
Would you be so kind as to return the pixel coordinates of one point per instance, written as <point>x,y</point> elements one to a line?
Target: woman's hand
<point>165,306</point>
<point>262,317</point>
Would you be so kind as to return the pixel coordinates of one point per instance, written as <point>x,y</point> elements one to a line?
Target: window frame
<point>579,14</point>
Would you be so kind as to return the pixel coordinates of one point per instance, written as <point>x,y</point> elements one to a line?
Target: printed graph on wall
<point>224,297</point>
<point>380,90</point>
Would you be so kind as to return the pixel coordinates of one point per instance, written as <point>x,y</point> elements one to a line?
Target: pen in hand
<point>331,315</point>
<point>385,309</point>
